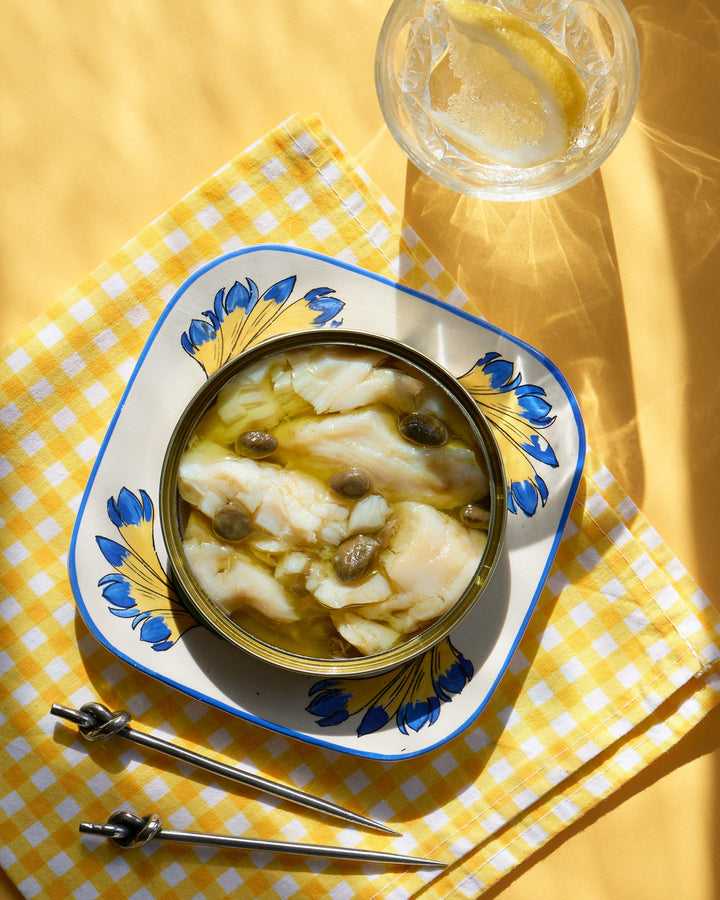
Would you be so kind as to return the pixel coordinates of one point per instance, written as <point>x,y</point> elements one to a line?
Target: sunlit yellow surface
<point>113,110</point>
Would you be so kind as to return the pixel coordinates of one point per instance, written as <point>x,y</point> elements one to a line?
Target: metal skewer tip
<point>71,715</point>
<point>97,723</point>
<point>99,830</point>
<point>128,830</point>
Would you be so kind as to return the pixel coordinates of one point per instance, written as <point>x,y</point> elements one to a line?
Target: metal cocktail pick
<point>97,723</point>
<point>128,830</point>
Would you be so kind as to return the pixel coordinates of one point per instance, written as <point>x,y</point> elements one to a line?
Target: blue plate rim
<point>388,282</point>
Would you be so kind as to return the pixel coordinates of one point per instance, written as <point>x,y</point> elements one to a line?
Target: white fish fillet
<point>366,636</point>
<point>368,515</point>
<point>234,581</point>
<point>326,380</point>
<point>429,562</point>
<point>344,379</point>
<point>330,592</point>
<point>293,563</point>
<point>446,476</point>
<point>258,397</point>
<point>287,504</point>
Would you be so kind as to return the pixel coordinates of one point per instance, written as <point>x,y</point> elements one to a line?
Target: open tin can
<point>410,364</point>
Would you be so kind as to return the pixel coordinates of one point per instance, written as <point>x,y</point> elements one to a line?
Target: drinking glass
<point>433,81</point>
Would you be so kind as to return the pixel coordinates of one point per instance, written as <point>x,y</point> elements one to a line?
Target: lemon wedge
<point>515,97</point>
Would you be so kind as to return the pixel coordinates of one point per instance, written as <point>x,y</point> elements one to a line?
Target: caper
<point>354,557</point>
<point>255,444</point>
<point>423,428</point>
<point>351,483</point>
<point>476,515</point>
<point>231,523</point>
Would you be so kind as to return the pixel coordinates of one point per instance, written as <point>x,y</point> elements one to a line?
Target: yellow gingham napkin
<point>620,659</point>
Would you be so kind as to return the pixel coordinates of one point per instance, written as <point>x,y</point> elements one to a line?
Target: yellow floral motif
<point>242,317</point>
<point>411,694</point>
<point>516,411</point>
<point>139,589</point>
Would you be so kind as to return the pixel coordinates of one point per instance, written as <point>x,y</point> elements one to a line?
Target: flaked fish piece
<point>258,397</point>
<point>290,569</point>
<point>293,563</point>
<point>407,617</point>
<point>233,581</point>
<point>430,560</point>
<point>366,636</point>
<point>347,378</point>
<point>430,552</point>
<point>267,545</point>
<point>447,476</point>
<point>289,505</point>
<point>322,379</point>
<point>330,592</point>
<point>368,515</point>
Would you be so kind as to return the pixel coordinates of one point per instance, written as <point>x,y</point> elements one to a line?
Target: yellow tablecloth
<point>111,111</point>
<point>621,658</point>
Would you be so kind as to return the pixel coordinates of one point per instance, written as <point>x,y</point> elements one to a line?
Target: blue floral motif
<point>412,694</point>
<point>241,316</point>
<point>517,412</point>
<point>139,589</point>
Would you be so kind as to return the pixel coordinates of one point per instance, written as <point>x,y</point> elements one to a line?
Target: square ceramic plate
<point>119,567</point>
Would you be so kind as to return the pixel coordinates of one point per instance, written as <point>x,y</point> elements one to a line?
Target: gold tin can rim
<point>208,613</point>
